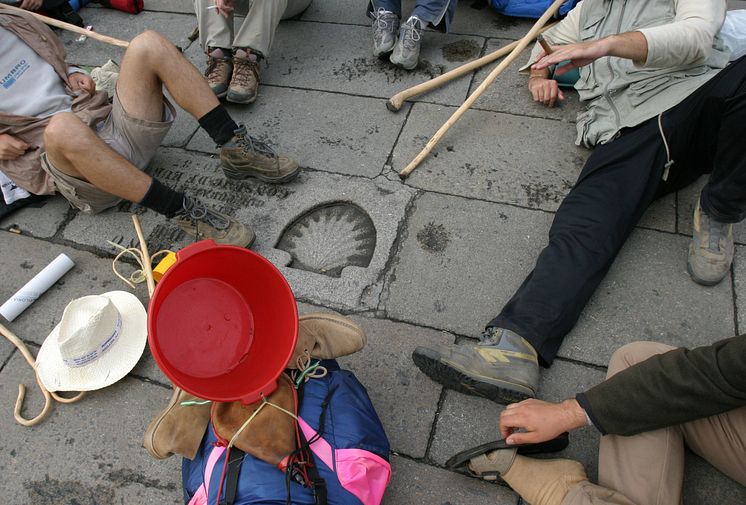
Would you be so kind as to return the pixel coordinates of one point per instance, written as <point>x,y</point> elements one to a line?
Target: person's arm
<point>671,388</point>
<point>667,389</point>
<point>11,147</point>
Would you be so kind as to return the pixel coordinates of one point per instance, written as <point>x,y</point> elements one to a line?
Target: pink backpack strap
<point>200,497</point>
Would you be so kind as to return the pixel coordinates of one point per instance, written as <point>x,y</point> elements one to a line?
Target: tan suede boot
<point>178,429</point>
<point>543,481</point>
<point>327,336</point>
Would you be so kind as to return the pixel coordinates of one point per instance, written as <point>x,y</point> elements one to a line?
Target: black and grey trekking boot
<point>711,250</point>
<point>502,367</point>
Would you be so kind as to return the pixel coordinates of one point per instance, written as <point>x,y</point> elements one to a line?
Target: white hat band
<point>96,353</point>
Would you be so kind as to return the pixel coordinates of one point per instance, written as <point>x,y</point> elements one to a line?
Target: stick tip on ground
<point>392,107</point>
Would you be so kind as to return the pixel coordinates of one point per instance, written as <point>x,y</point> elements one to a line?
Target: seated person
<point>405,51</point>
<point>233,59</point>
<point>656,400</point>
<point>58,134</point>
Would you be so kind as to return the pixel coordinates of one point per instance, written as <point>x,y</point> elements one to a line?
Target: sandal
<point>460,461</point>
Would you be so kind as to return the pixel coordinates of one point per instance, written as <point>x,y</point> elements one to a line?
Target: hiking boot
<point>201,222</point>
<point>245,156</point>
<point>327,336</point>
<point>244,84</point>
<point>219,70</point>
<point>407,49</point>
<point>178,429</point>
<point>502,367</point>
<point>385,28</point>
<point>711,250</point>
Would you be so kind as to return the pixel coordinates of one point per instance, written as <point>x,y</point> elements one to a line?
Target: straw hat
<point>98,341</point>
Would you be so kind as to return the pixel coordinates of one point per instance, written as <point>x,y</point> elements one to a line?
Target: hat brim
<point>112,366</point>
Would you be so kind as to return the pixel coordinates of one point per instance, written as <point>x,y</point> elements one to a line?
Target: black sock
<point>219,125</point>
<point>162,199</point>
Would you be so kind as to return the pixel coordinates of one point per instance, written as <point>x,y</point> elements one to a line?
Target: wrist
<point>575,416</point>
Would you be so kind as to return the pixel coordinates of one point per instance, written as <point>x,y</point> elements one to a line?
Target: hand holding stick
<point>482,87</point>
<point>70,27</point>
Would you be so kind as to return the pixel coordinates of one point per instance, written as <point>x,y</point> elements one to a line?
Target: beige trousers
<point>648,469</point>
<point>257,29</point>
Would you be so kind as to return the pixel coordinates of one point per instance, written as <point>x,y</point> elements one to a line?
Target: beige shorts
<point>135,139</point>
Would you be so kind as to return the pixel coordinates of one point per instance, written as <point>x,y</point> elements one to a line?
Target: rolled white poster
<point>36,287</point>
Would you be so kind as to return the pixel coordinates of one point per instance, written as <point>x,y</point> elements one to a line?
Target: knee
<point>630,354</point>
<point>149,43</point>
<point>59,132</point>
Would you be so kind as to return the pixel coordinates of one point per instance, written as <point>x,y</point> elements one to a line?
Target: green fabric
<point>672,388</point>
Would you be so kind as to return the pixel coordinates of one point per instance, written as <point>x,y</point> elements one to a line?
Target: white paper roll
<point>36,287</point>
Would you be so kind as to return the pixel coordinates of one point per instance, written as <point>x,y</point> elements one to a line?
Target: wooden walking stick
<point>395,102</point>
<point>482,87</point>
<point>70,27</point>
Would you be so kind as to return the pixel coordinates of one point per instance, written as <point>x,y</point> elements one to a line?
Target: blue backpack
<point>349,446</point>
<point>529,8</point>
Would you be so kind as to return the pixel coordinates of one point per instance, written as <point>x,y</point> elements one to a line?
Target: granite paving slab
<point>24,257</point>
<point>325,131</point>
<point>509,92</point>
<point>339,58</point>
<point>704,484</point>
<point>405,399</point>
<point>87,452</point>
<point>486,156</point>
<point>91,52</point>
<point>739,287</point>
<point>170,6</point>
<point>42,219</point>
<point>648,295</point>
<point>468,421</point>
<point>413,482</point>
<point>453,271</point>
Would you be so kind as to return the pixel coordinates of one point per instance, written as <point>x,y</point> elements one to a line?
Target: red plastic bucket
<point>222,323</point>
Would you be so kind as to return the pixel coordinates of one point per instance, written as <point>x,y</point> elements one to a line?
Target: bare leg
<point>89,158</point>
<point>152,62</point>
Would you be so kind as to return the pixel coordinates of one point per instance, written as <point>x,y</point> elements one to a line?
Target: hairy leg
<point>150,63</point>
<point>87,157</point>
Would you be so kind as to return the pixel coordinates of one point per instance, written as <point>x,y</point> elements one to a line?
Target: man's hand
<point>82,82</point>
<point>224,7</point>
<point>11,148</point>
<point>30,5</point>
<point>545,90</point>
<point>577,55</point>
<point>541,421</point>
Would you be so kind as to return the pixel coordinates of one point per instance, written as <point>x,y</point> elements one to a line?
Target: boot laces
<point>197,212</point>
<point>411,32</point>
<point>249,144</point>
<point>243,70</point>
<point>216,67</point>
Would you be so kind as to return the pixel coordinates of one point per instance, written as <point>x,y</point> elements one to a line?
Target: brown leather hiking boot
<point>201,222</point>
<point>219,70</point>
<point>244,84</point>
<point>178,429</point>
<point>245,156</point>
<point>327,335</point>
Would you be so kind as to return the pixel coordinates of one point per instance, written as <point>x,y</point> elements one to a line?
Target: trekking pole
<point>70,27</point>
<point>395,102</point>
<point>531,35</point>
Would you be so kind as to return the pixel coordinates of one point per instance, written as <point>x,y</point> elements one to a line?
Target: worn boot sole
<point>498,391</point>
<point>150,432</point>
<point>244,101</point>
<point>703,282</point>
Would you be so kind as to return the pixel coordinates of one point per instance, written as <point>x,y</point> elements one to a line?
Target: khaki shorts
<point>135,139</point>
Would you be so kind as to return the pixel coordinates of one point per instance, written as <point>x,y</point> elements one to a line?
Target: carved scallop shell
<point>330,237</point>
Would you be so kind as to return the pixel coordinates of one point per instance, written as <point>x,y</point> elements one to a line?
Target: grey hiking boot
<point>711,250</point>
<point>244,85</point>
<point>385,28</point>
<point>201,222</point>
<point>219,70</point>
<point>407,49</point>
<point>245,156</point>
<point>502,367</point>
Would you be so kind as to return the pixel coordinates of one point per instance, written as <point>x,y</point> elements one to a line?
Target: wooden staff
<point>531,35</point>
<point>395,102</point>
<point>71,28</point>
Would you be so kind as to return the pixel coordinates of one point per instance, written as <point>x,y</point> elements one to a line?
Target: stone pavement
<point>430,259</point>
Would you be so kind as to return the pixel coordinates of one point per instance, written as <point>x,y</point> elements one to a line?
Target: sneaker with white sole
<point>385,29</point>
<point>406,52</point>
<point>711,250</point>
